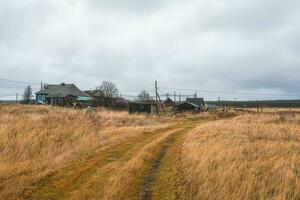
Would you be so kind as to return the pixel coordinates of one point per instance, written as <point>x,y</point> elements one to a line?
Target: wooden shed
<point>169,103</point>
<point>197,101</point>
<point>143,107</point>
<point>187,106</point>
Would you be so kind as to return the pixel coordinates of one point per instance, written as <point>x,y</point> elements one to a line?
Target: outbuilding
<point>197,101</point>
<point>143,107</point>
<point>187,106</point>
<point>169,103</point>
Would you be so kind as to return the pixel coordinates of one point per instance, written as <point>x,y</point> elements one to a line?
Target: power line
<point>18,82</point>
<point>128,95</point>
<point>231,92</point>
<point>127,91</point>
<point>138,92</point>
<point>16,87</point>
<point>8,95</point>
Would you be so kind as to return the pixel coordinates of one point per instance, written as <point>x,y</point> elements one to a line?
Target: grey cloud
<point>218,45</point>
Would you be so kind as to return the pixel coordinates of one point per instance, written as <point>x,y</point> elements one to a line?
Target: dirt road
<point>139,168</point>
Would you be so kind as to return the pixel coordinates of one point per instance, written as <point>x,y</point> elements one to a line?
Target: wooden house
<point>198,101</point>
<point>169,103</point>
<point>192,105</point>
<point>61,95</point>
<point>187,106</point>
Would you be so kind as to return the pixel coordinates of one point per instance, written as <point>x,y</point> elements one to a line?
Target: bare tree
<point>27,94</point>
<point>144,96</point>
<point>108,89</point>
<point>106,93</point>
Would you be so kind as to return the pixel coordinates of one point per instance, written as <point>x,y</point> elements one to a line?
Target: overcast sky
<point>231,45</point>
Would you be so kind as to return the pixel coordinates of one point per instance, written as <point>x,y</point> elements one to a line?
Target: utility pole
<point>179,97</point>
<point>17,97</point>
<point>162,105</point>
<point>174,96</point>
<point>195,95</point>
<point>41,85</point>
<point>156,98</point>
<point>219,101</point>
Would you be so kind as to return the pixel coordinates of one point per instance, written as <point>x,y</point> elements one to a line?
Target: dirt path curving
<point>77,180</point>
<point>139,168</point>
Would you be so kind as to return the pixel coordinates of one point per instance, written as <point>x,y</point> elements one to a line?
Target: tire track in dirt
<point>150,179</point>
<point>60,184</point>
<point>167,182</point>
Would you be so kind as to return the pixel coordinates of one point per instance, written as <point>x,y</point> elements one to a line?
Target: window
<point>41,97</point>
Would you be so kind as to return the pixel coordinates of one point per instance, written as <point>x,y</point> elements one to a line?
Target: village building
<point>193,105</point>
<point>62,95</point>
<point>197,101</point>
<point>169,103</point>
<point>143,107</point>
<point>187,106</point>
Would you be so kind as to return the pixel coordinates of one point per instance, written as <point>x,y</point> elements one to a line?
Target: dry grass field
<point>58,153</point>
<point>248,157</point>
<point>36,141</point>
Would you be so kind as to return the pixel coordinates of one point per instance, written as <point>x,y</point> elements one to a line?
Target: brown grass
<point>36,140</point>
<point>57,153</point>
<point>249,157</point>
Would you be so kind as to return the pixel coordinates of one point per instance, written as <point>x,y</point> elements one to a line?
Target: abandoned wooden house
<point>192,104</point>
<point>169,103</point>
<point>187,106</point>
<point>62,95</point>
<point>197,101</point>
<point>143,107</point>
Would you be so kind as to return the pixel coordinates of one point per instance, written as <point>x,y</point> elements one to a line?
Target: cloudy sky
<point>215,46</point>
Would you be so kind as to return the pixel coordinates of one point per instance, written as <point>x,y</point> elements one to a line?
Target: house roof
<point>197,101</point>
<point>63,90</point>
<point>189,103</point>
<point>168,100</point>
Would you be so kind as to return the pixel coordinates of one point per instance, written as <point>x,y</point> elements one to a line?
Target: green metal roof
<point>63,90</point>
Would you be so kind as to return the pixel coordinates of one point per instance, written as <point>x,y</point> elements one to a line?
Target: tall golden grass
<point>35,140</point>
<point>248,157</point>
<point>234,155</point>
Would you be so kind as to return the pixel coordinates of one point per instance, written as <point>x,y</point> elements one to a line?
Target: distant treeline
<point>269,103</point>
